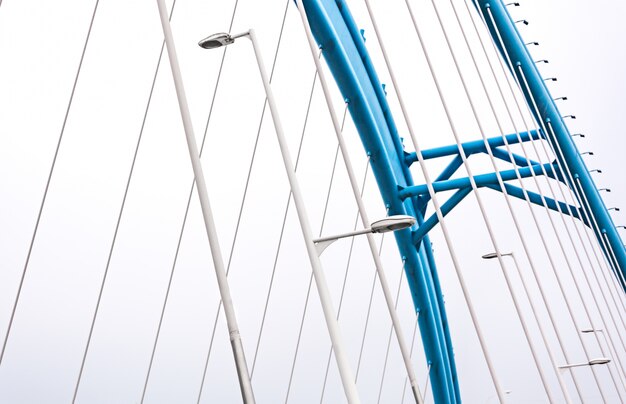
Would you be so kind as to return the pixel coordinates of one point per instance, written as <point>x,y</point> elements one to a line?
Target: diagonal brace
<point>536,199</point>
<point>475,146</point>
<point>481,180</point>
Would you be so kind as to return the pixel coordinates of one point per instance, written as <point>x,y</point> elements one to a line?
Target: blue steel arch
<point>510,43</point>
<point>344,51</point>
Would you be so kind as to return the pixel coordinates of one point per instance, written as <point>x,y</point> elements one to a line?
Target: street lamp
<point>614,208</point>
<point>592,362</point>
<point>541,329</point>
<point>343,363</point>
<point>597,331</point>
<point>220,39</point>
<point>391,223</point>
<point>587,152</point>
<point>207,213</point>
<point>596,170</point>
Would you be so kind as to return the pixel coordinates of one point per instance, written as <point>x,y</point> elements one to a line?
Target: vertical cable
<point>534,176</point>
<point>343,285</point>
<point>47,187</point>
<point>184,222</point>
<point>508,60</point>
<point>490,102</point>
<point>406,379</point>
<point>434,198</point>
<point>282,228</point>
<point>247,183</point>
<point>119,219</point>
<point>362,211</point>
<point>382,377</point>
<point>306,301</point>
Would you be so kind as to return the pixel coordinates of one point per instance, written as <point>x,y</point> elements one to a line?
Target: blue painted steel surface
<point>512,190</point>
<point>345,53</point>
<point>482,180</point>
<point>475,146</point>
<point>513,46</point>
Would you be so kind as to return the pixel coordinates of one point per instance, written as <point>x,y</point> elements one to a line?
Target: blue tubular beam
<point>450,168</point>
<point>422,200</point>
<point>475,146</point>
<point>517,159</point>
<point>481,180</point>
<point>348,60</point>
<point>535,198</point>
<point>432,221</point>
<point>547,112</point>
<point>512,190</point>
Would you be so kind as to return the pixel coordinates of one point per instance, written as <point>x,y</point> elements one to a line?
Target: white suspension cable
<point>284,222</point>
<point>501,92</point>
<point>582,196</point>
<point>306,303</point>
<point>362,211</point>
<point>535,107</point>
<point>184,223</point>
<point>121,211</point>
<point>117,227</point>
<point>480,203</point>
<point>47,187</point>
<point>406,379</point>
<point>216,253</point>
<point>508,60</point>
<point>517,172</point>
<point>343,285</point>
<point>500,127</point>
<point>369,311</point>
<point>341,357</point>
<point>571,175</point>
<point>382,378</point>
<point>431,192</point>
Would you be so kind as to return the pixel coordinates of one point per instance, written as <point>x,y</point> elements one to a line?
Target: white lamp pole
<point>216,254</point>
<point>345,371</point>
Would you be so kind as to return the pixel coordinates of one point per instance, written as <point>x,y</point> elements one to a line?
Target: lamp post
<point>347,377</point>
<point>391,223</point>
<point>541,330</point>
<point>592,362</point>
<point>209,223</point>
<point>596,331</point>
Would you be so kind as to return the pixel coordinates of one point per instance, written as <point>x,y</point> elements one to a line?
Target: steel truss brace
<point>443,182</point>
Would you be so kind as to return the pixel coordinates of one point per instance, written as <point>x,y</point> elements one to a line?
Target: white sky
<point>40,45</point>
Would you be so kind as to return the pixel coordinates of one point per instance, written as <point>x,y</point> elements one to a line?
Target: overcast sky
<point>40,47</point>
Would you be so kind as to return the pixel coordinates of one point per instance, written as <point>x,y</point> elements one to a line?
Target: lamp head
<point>216,41</point>
<point>392,223</point>
<point>599,361</point>
<point>495,255</point>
